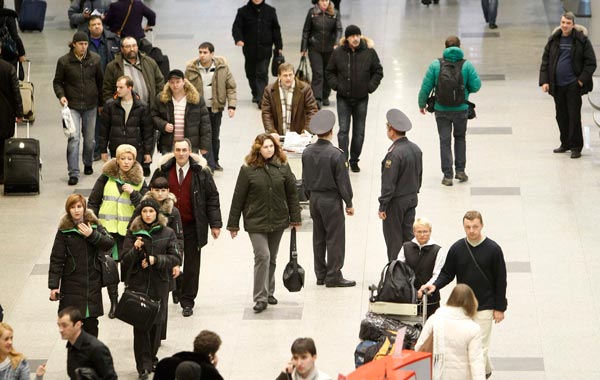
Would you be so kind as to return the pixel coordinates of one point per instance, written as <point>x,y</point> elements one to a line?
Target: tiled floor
<point>542,208</point>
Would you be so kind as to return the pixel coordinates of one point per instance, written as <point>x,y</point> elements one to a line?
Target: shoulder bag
<point>137,308</point>
<point>477,264</point>
<point>293,274</point>
<point>9,46</point>
<point>278,59</point>
<point>302,71</point>
<point>118,33</point>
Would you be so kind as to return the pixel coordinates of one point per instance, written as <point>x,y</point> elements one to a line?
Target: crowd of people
<point>124,108</point>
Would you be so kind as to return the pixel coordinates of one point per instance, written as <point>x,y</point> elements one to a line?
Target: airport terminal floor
<point>542,208</point>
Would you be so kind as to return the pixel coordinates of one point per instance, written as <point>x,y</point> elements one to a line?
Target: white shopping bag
<point>68,124</point>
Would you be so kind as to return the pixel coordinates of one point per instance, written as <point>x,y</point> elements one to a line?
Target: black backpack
<point>397,283</point>
<point>450,87</point>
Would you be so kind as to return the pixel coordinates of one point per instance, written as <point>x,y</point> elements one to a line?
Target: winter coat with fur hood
<point>457,347</point>
<point>223,85</point>
<point>322,29</point>
<point>137,130</point>
<point>196,120</point>
<point>205,196</point>
<point>168,209</point>
<point>583,59</point>
<point>159,241</point>
<point>354,74</point>
<point>74,265</point>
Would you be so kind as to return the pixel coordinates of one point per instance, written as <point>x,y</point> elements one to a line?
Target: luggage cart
<point>295,162</point>
<point>404,312</point>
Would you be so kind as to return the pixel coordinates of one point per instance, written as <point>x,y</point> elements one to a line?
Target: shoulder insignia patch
<point>346,164</point>
<point>388,164</point>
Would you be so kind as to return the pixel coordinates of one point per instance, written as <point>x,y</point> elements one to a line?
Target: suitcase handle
<point>28,69</point>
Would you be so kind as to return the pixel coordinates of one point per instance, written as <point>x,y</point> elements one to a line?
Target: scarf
<point>286,105</point>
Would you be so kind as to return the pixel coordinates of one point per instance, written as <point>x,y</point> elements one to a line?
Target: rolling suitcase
<point>22,165</point>
<point>32,15</point>
<point>26,88</point>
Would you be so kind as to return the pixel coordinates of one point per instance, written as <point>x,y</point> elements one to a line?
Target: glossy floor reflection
<point>542,208</point>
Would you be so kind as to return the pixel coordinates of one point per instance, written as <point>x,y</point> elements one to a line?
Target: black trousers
<point>2,142</point>
<point>398,224</point>
<point>187,282</point>
<point>215,125</point>
<point>318,63</point>
<point>257,72</point>
<point>145,347</point>
<point>329,235</point>
<point>90,326</point>
<point>567,102</point>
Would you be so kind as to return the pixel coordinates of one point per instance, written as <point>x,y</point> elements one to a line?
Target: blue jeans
<point>85,121</point>
<point>446,122</point>
<point>357,110</point>
<point>490,10</point>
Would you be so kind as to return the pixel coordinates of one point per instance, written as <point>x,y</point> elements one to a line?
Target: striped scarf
<point>286,105</point>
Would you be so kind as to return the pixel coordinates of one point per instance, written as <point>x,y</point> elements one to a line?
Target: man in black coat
<point>84,350</point>
<point>354,71</point>
<point>126,120</point>
<point>191,182</point>
<point>11,106</point>
<point>566,73</point>
<point>256,29</point>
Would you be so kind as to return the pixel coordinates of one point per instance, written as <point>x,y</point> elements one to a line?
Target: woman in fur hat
<point>74,277</point>
<point>150,252</point>
<point>114,197</point>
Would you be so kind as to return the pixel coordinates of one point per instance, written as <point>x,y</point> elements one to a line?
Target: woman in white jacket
<point>457,351</point>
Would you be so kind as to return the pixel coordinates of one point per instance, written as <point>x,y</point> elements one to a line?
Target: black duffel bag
<point>293,274</point>
<point>137,309</point>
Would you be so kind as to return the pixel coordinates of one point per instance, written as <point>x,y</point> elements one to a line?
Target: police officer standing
<point>401,175</point>
<point>325,177</point>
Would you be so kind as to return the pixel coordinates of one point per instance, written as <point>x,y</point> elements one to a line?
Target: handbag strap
<point>293,249</point>
<point>125,19</point>
<point>477,264</point>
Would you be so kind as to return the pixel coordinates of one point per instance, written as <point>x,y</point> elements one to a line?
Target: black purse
<point>471,111</point>
<point>430,107</point>
<point>302,71</point>
<point>137,308</point>
<point>293,274</point>
<point>110,270</point>
<point>278,59</point>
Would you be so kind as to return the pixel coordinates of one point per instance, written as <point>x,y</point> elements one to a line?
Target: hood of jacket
<point>365,43</point>
<point>330,9</point>
<point>191,94</point>
<point>194,158</point>
<point>453,54</point>
<point>138,224</point>
<point>135,175</point>
<point>166,206</point>
<point>66,222</point>
<point>578,28</point>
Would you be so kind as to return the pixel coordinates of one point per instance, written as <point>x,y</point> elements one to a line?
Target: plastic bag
<point>374,326</point>
<point>296,143</point>
<point>68,123</point>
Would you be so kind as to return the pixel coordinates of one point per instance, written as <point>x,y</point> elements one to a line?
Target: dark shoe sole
<point>272,300</point>
<point>348,284</point>
<point>575,154</point>
<point>560,150</point>
<point>260,307</point>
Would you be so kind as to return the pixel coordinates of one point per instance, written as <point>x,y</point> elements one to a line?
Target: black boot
<point>113,295</point>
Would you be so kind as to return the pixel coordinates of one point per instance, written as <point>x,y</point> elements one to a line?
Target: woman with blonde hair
<point>265,193</point>
<point>457,350</point>
<point>13,365</point>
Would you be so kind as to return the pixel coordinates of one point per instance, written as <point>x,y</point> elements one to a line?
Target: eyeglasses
<point>422,232</point>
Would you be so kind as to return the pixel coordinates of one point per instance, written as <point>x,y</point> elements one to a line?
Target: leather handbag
<point>137,308</point>
<point>293,274</point>
<point>278,59</point>
<point>302,71</point>
<point>110,270</point>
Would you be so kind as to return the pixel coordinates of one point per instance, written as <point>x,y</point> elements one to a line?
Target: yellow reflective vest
<point>116,209</point>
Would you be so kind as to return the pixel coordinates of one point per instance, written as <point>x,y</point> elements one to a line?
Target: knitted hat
<point>126,148</point>
<point>150,202</point>
<point>80,36</point>
<point>352,30</point>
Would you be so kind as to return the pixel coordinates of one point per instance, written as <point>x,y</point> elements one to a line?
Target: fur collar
<point>138,224</point>
<point>330,10</point>
<point>134,176</point>
<point>195,159</point>
<point>166,206</point>
<point>66,222</point>
<point>365,41</point>
<point>578,28</point>
<point>192,64</point>
<point>191,94</point>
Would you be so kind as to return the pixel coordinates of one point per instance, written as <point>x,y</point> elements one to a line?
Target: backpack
<point>450,87</point>
<point>397,283</point>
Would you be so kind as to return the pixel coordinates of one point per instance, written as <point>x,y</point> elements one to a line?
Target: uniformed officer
<point>401,175</point>
<point>325,177</point>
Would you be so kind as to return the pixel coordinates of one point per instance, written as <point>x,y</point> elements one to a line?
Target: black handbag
<point>110,270</point>
<point>293,274</point>
<point>471,111</point>
<point>302,70</point>
<point>137,308</point>
<point>278,59</point>
<point>430,107</point>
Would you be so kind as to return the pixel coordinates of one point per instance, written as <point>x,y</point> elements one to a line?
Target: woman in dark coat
<point>8,18</point>
<point>320,35</point>
<point>75,277</point>
<point>150,252</point>
<point>265,193</point>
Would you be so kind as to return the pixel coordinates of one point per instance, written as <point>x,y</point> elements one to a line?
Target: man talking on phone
<point>302,365</point>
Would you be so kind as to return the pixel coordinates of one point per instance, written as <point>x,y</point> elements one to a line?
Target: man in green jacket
<point>450,106</point>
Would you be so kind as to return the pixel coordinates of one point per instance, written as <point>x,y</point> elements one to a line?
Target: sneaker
<point>447,181</point>
<point>355,168</point>
<point>326,102</point>
<point>73,181</point>
<point>88,170</point>
<point>461,176</point>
